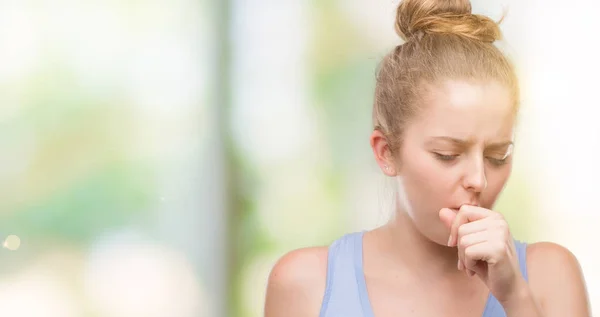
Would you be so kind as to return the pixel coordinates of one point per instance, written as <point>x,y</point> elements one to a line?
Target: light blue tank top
<point>346,291</point>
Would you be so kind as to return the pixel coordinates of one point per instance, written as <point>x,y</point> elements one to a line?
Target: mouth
<point>468,204</point>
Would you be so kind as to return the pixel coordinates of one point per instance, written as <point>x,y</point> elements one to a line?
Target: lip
<point>468,204</point>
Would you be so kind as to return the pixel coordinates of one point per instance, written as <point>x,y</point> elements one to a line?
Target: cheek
<point>426,182</point>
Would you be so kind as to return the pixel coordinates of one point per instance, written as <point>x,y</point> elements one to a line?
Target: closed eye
<point>498,162</point>
<point>445,157</point>
<point>452,157</point>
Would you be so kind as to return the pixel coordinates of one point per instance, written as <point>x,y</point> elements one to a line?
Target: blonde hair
<point>443,40</point>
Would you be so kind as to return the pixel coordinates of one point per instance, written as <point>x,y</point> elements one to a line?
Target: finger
<point>475,253</point>
<point>473,227</point>
<point>468,240</point>
<point>447,216</point>
<point>460,265</point>
<point>466,214</point>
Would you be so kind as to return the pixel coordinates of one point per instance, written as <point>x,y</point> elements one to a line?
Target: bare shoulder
<point>300,268</point>
<point>297,283</point>
<point>556,279</point>
<point>543,254</point>
<point>548,258</point>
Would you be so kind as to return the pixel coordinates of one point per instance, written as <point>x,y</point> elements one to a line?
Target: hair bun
<point>415,18</point>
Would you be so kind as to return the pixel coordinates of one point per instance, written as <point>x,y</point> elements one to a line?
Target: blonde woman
<point>444,115</point>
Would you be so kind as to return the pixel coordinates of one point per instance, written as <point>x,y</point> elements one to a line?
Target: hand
<point>485,248</point>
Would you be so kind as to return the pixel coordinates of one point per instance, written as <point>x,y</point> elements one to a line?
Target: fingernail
<point>449,240</point>
<point>458,265</point>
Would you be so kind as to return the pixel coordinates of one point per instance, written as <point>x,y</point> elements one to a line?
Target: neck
<point>404,246</point>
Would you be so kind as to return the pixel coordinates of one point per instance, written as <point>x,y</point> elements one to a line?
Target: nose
<point>474,179</point>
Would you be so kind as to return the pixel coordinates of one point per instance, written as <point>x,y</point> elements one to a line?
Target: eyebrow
<point>463,143</point>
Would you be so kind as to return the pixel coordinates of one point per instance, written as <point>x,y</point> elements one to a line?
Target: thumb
<point>447,217</point>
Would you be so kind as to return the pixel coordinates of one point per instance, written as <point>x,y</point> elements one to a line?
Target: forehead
<point>467,110</point>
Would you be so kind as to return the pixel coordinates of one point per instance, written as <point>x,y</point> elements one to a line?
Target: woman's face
<point>457,151</point>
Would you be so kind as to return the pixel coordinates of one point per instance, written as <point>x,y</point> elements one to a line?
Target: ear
<point>383,153</point>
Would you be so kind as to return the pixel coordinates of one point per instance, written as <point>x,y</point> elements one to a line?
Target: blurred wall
<point>110,171</point>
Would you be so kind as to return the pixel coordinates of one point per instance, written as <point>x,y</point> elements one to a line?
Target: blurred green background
<point>159,156</point>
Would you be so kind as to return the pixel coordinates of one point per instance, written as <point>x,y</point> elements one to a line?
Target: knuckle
<point>503,229</point>
<point>463,209</point>
<point>458,217</point>
<point>461,218</point>
<point>506,232</point>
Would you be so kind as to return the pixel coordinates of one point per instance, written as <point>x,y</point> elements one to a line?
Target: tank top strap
<point>521,248</point>
<point>341,296</point>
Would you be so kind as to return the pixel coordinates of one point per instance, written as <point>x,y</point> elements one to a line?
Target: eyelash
<point>498,162</point>
<point>445,158</point>
<point>450,158</point>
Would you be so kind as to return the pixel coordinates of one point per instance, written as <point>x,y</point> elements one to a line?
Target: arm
<point>297,283</point>
<point>556,285</point>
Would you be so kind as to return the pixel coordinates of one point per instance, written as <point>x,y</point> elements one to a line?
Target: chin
<point>435,232</point>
